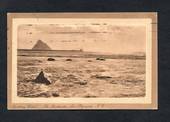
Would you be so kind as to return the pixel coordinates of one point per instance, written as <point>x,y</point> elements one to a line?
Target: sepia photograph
<point>82,60</point>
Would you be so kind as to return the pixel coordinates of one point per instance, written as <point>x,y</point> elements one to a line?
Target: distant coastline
<point>77,54</point>
<point>49,50</point>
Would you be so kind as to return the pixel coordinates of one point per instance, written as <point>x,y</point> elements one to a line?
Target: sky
<point>95,37</point>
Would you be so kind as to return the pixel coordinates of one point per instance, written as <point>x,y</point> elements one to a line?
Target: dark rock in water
<point>42,79</point>
<point>103,77</point>
<point>101,59</point>
<point>68,59</point>
<point>51,59</point>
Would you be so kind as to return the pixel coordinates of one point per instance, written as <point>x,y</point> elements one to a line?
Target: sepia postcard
<point>82,60</point>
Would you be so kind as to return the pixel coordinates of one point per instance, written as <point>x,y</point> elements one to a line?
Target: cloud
<point>96,37</point>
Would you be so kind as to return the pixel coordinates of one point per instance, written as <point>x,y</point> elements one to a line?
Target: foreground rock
<point>42,79</point>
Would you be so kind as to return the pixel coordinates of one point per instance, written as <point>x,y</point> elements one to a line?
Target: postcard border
<point>56,106</point>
